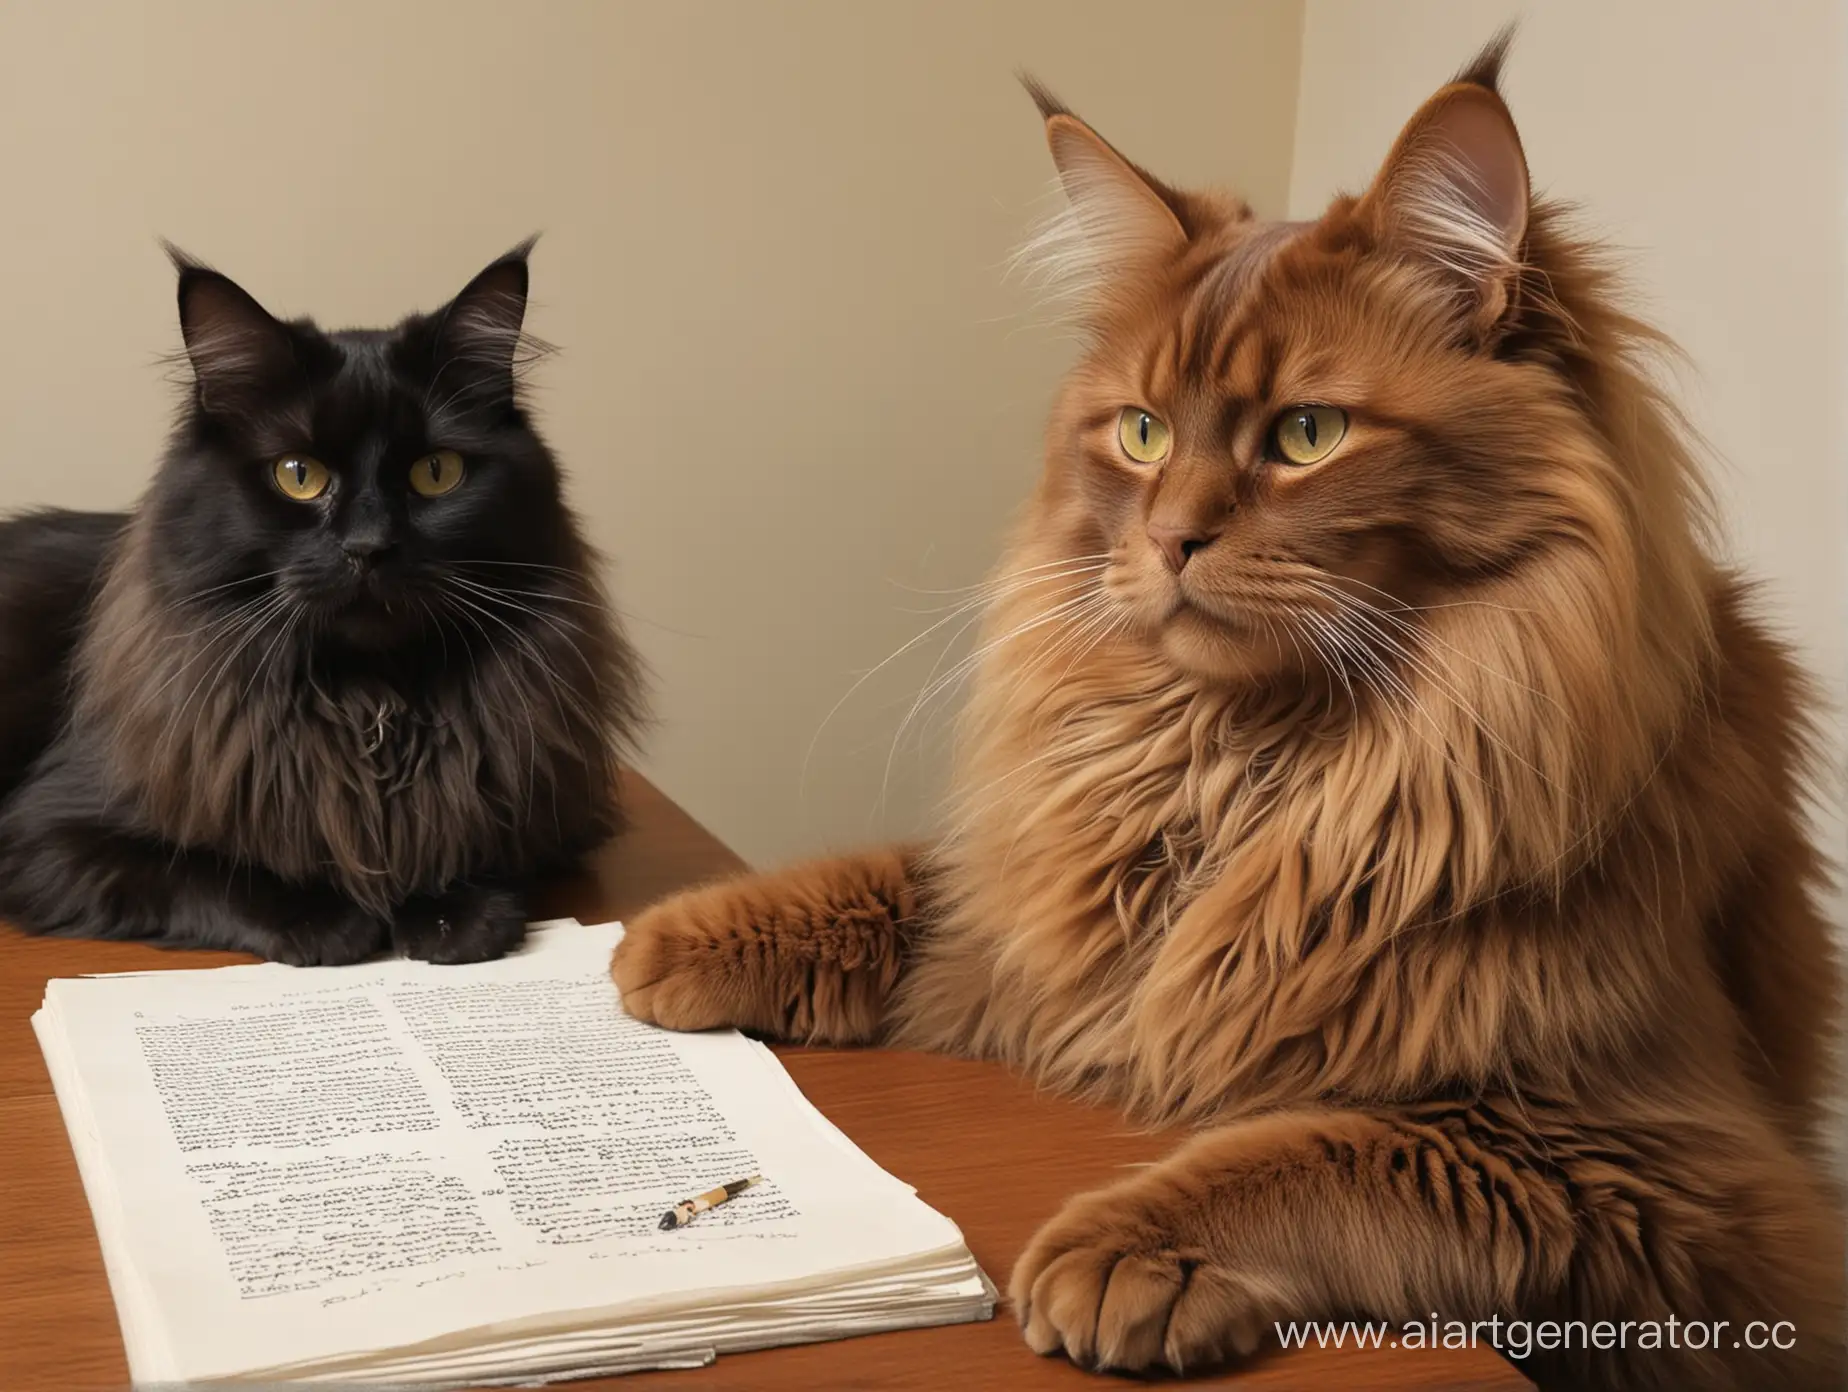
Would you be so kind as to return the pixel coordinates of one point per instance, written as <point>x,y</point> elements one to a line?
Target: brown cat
<point>1367,763</point>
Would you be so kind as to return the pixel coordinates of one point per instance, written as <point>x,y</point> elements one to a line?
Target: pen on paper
<point>683,1213</point>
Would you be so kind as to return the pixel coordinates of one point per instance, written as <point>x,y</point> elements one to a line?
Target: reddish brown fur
<point>1476,929</point>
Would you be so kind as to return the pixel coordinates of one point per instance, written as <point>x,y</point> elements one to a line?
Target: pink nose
<point>1178,544</point>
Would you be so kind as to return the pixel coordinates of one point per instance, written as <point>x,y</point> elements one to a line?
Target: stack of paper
<point>395,1172</point>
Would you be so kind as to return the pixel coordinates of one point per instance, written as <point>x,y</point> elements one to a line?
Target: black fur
<point>312,729</point>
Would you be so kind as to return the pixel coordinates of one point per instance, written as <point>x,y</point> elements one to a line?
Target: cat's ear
<point>1118,216</point>
<point>239,351</point>
<point>481,332</point>
<point>1454,194</point>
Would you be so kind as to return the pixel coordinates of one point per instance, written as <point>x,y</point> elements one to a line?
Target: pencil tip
<point>667,1222</point>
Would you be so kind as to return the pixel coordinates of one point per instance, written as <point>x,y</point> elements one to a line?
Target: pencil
<point>683,1213</point>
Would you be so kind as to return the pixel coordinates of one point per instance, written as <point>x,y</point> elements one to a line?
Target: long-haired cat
<point>1368,765</point>
<point>344,679</point>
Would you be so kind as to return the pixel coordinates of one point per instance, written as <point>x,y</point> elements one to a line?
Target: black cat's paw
<point>338,938</point>
<point>465,925</point>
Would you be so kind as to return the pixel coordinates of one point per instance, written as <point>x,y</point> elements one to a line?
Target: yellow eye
<point>1144,437</point>
<point>1308,434</point>
<point>301,478</point>
<point>437,474</point>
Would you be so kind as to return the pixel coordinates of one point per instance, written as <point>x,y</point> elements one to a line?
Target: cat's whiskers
<point>974,605</point>
<point>1328,647</point>
<point>1064,609</point>
<point>1345,647</point>
<point>219,621</point>
<point>1339,648</point>
<point>563,699</point>
<point>280,637</point>
<point>1426,662</point>
<point>558,623</point>
<point>473,613</point>
<point>1391,684</point>
<point>547,595</point>
<point>1068,610</point>
<point>244,633</point>
<point>1075,642</point>
<point>1077,578</point>
<point>1431,667</point>
<point>510,600</point>
<point>180,601</point>
<point>555,680</point>
<point>578,580</point>
<point>971,812</point>
<point>222,627</point>
<point>1001,584</point>
<point>1302,658</point>
<point>1081,638</point>
<point>1077,581</point>
<point>1396,696</point>
<point>1421,633</point>
<point>1401,607</point>
<point>1040,567</point>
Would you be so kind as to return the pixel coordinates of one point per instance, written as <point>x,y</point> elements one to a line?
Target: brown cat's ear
<point>237,348</point>
<point>1118,216</point>
<point>1453,193</point>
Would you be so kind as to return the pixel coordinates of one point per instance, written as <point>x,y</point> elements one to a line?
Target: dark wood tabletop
<point>981,1146</point>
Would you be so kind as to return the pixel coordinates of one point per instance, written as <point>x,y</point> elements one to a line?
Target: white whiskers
<point>1067,575</point>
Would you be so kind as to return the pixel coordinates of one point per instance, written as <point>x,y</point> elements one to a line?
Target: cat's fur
<point>312,730</point>
<point>1424,825</point>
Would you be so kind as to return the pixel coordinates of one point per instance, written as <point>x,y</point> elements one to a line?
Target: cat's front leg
<point>467,922</point>
<point>810,953</point>
<point>1519,1213</point>
<point>77,876</point>
<point>1153,1272</point>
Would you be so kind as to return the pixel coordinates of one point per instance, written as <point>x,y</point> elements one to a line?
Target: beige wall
<point>796,386</point>
<point>793,378</point>
<point>1707,139</point>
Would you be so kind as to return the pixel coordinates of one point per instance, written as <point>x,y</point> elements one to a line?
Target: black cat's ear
<point>481,332</point>
<point>239,351</point>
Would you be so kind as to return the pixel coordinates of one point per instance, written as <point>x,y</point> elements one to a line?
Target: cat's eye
<point>1308,434</point>
<point>437,473</point>
<point>300,477</point>
<point>1144,436</point>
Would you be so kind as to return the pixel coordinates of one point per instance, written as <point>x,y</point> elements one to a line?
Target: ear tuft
<point>1485,69</point>
<point>181,259</point>
<point>1049,105</point>
<point>1117,217</point>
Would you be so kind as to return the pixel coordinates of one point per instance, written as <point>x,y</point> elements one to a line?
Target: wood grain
<point>980,1145</point>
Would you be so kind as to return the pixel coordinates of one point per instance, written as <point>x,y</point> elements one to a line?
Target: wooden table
<point>978,1143</point>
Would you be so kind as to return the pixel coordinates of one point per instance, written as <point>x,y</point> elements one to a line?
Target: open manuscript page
<point>295,1167</point>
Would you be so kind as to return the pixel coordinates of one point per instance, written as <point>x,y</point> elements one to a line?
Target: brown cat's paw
<point>808,953</point>
<point>674,971</point>
<point>1114,1287</point>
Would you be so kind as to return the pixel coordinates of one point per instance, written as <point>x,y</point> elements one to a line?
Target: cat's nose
<point>365,549</point>
<point>1178,544</point>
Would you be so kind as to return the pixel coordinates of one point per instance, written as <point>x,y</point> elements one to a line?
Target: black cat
<point>344,679</point>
